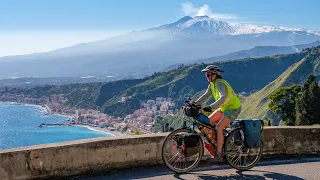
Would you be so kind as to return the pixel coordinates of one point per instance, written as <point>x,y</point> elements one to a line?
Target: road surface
<point>295,168</point>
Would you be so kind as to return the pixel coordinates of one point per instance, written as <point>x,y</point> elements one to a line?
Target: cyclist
<point>227,106</point>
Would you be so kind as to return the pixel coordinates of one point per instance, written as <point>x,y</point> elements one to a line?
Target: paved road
<point>284,168</point>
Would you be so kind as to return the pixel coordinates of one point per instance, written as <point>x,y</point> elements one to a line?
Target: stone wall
<point>90,155</point>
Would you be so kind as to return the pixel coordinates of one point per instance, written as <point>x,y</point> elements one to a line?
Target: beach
<point>47,109</point>
<point>114,133</point>
<point>34,105</point>
<point>63,115</point>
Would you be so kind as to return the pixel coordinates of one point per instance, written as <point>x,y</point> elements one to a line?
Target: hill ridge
<point>256,105</point>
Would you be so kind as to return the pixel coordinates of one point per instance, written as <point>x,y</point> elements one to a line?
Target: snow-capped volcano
<point>151,50</point>
<point>204,24</point>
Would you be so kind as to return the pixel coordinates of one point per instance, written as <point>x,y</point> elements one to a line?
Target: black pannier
<point>191,140</point>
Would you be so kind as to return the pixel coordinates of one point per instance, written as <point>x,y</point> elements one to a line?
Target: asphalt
<point>295,168</point>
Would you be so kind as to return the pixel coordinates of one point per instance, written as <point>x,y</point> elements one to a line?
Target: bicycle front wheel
<point>178,159</point>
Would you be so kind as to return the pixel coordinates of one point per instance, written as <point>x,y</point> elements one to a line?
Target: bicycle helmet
<point>212,69</point>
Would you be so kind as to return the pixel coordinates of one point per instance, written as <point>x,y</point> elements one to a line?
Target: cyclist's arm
<point>204,96</point>
<point>223,93</point>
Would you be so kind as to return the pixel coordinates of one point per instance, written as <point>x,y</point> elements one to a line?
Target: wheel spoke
<point>188,162</point>
<point>176,161</point>
<point>234,157</point>
<point>245,160</point>
<point>173,157</point>
<point>237,160</point>
<point>241,159</point>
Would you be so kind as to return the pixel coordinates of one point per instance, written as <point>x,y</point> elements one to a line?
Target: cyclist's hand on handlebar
<point>207,109</point>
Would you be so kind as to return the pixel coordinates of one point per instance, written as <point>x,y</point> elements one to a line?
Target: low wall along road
<point>90,155</point>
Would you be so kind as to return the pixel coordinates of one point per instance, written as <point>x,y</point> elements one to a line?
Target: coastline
<point>47,110</point>
<point>93,128</point>
<point>62,115</point>
<point>34,105</point>
<point>104,130</point>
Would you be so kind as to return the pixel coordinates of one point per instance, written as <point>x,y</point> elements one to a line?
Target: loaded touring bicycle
<point>183,149</point>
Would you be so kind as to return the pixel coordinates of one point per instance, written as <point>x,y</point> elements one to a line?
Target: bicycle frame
<point>198,124</point>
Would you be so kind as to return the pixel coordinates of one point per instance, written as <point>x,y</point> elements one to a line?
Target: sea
<point>19,127</point>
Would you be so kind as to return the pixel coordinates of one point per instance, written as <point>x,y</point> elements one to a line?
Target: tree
<point>169,119</point>
<point>283,102</point>
<point>158,124</point>
<point>308,103</point>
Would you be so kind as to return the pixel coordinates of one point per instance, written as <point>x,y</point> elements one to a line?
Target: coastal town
<point>141,121</point>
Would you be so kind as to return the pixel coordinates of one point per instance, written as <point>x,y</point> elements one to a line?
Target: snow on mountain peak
<point>188,25</point>
<point>197,24</point>
<point>257,29</point>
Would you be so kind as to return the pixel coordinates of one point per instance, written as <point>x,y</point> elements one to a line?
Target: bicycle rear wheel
<point>238,156</point>
<point>180,162</point>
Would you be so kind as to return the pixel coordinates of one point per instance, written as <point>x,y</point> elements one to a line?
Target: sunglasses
<point>208,74</point>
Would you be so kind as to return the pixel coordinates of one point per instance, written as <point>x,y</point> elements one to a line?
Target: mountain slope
<point>259,51</point>
<point>256,105</point>
<point>153,49</point>
<point>256,52</point>
<point>247,75</point>
<point>244,75</point>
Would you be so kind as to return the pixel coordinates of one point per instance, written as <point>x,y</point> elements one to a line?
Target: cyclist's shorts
<point>232,114</point>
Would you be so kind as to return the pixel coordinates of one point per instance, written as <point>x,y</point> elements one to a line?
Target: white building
<point>154,108</point>
<point>151,102</point>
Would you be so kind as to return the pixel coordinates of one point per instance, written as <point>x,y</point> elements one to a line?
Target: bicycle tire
<point>231,163</point>
<point>194,165</point>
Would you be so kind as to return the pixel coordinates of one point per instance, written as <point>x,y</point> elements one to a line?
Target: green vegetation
<point>247,75</point>
<point>283,102</point>
<point>188,81</point>
<point>169,122</point>
<point>82,95</point>
<point>109,90</point>
<point>308,103</point>
<point>256,105</point>
<point>298,105</point>
<point>136,132</point>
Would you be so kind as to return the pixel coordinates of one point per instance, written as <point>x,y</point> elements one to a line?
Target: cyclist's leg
<point>225,121</point>
<point>215,117</point>
<point>228,117</point>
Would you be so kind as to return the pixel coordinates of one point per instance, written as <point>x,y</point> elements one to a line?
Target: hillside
<point>256,52</point>
<point>35,82</point>
<point>246,76</point>
<point>256,105</point>
<point>82,95</point>
<point>259,51</point>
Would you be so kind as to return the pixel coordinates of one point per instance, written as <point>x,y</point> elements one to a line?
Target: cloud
<point>190,10</point>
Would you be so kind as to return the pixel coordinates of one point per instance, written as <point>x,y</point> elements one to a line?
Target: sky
<point>28,26</point>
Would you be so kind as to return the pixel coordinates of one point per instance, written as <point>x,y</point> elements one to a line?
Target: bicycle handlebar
<point>191,103</point>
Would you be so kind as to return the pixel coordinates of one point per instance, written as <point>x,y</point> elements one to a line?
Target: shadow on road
<point>160,170</point>
<point>240,175</point>
<point>265,162</point>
